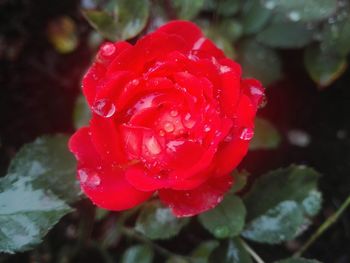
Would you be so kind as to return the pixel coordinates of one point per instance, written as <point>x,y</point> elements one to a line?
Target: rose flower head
<point>171,115</point>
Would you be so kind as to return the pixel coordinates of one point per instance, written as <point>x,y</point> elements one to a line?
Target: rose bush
<point>170,115</point>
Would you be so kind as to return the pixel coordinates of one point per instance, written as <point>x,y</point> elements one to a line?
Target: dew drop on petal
<point>108,49</point>
<point>162,133</point>
<point>152,145</point>
<point>174,113</point>
<point>104,108</point>
<point>89,178</point>
<point>169,127</point>
<point>246,134</point>
<point>188,122</point>
<point>83,176</point>
<point>95,180</point>
<point>172,145</point>
<point>207,128</point>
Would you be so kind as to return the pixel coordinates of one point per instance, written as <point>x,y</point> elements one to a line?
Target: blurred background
<point>298,49</point>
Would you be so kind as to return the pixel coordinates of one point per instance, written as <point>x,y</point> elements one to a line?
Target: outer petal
<point>103,183</point>
<point>198,200</point>
<point>231,153</point>
<point>192,34</point>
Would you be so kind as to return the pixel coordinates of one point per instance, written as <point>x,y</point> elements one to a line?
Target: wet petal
<point>198,200</point>
<point>104,184</point>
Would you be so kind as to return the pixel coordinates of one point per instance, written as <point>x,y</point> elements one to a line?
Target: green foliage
<point>41,177</point>
<point>259,61</point>
<point>201,253</point>
<point>230,251</point>
<point>280,203</point>
<point>158,222</point>
<point>254,16</point>
<point>336,35</point>
<point>187,9</point>
<point>239,181</point>
<point>50,165</point>
<point>103,22</point>
<point>301,10</point>
<point>226,219</point>
<point>266,136</point>
<point>323,67</point>
<point>285,35</point>
<point>27,212</point>
<point>139,254</point>
<point>122,19</point>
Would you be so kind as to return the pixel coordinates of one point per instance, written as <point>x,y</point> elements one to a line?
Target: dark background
<point>38,87</point>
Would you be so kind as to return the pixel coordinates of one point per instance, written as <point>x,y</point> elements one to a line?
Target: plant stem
<point>326,224</point>
<point>254,255</point>
<point>129,232</point>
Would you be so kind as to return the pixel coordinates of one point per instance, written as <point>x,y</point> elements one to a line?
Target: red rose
<point>171,115</point>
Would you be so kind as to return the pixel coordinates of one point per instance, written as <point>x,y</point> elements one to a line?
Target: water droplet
<point>108,49</point>
<point>172,145</point>
<point>294,16</point>
<point>188,122</point>
<point>162,133</point>
<point>89,178</point>
<point>187,194</point>
<point>174,113</point>
<point>246,134</point>
<point>104,108</point>
<point>299,138</point>
<point>83,176</point>
<point>169,127</point>
<point>270,5</point>
<point>207,128</point>
<point>153,145</point>
<point>95,180</point>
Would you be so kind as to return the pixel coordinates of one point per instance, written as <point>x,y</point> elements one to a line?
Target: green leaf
<point>297,260</point>
<point>230,28</point>
<point>278,224</point>
<point>132,17</point>
<point>158,222</point>
<point>27,212</point>
<point>323,67</point>
<point>239,181</point>
<point>202,252</point>
<point>139,254</point>
<point>82,113</point>
<point>259,62</point>
<point>336,35</point>
<point>230,251</point>
<point>226,219</point>
<point>285,35</point>
<point>294,183</point>
<point>266,136</point>
<point>103,22</point>
<point>227,7</point>
<point>187,9</point>
<point>127,20</point>
<point>301,10</point>
<point>254,16</point>
<point>279,204</point>
<point>50,165</point>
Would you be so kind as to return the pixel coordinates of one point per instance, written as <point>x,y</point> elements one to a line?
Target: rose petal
<point>192,34</point>
<point>198,200</point>
<point>231,153</point>
<point>104,184</point>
